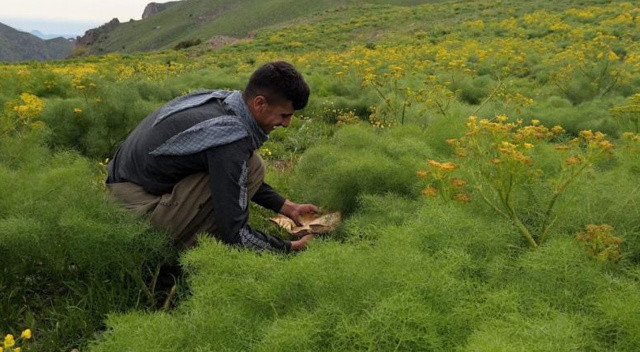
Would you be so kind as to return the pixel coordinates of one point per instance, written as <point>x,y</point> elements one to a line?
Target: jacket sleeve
<point>267,197</point>
<point>227,167</point>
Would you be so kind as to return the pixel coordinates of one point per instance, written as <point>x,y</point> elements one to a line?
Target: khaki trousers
<point>188,209</point>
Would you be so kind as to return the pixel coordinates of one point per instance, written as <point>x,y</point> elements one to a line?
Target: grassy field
<point>485,156</point>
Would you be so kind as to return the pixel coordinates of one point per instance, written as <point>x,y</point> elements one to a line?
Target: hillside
<point>203,19</point>
<point>20,46</point>
<point>484,155</point>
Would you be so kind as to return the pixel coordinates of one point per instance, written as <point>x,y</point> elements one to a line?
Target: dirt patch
<point>220,41</point>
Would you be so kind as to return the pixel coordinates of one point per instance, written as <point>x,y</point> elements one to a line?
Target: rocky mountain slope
<point>20,46</point>
<point>165,26</point>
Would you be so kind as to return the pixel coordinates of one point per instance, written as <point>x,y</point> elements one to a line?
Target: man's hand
<point>301,244</point>
<point>294,210</point>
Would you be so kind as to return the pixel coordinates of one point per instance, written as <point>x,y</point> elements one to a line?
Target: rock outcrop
<point>93,35</point>
<point>154,7</point>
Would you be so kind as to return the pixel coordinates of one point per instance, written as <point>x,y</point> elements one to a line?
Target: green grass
<point>402,272</point>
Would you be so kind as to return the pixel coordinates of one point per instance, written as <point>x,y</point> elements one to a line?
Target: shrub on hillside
<point>187,44</point>
<point>474,90</point>
<point>360,160</point>
<point>95,124</point>
<point>435,278</point>
<point>68,256</point>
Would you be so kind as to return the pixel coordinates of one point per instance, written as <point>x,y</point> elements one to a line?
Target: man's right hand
<point>301,244</point>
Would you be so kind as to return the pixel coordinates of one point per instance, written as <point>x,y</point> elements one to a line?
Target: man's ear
<point>259,102</point>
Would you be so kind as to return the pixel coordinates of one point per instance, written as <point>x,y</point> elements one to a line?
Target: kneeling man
<point>192,165</point>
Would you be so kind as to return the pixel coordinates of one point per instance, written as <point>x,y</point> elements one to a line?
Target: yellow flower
<point>449,166</point>
<point>606,145</point>
<point>9,341</point>
<point>17,349</point>
<point>458,183</point>
<point>26,334</point>
<point>77,110</point>
<point>573,160</point>
<point>535,122</point>
<point>587,134</point>
<point>528,146</point>
<point>421,173</point>
<point>430,192</point>
<point>462,197</point>
<point>557,129</point>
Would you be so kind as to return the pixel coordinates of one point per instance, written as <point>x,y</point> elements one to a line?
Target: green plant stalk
<point>525,232</point>
<point>488,98</point>
<point>493,206</point>
<point>440,108</point>
<point>513,218</point>
<point>547,215</point>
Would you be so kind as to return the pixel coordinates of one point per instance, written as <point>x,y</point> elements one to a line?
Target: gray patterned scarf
<point>214,132</point>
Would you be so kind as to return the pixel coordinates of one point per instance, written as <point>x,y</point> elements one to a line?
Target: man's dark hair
<point>278,82</point>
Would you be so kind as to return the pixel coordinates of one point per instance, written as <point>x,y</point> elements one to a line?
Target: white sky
<point>51,16</point>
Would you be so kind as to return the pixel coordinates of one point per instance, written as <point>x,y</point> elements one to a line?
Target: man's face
<point>269,116</point>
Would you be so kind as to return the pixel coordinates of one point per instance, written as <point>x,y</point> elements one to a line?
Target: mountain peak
<point>153,8</point>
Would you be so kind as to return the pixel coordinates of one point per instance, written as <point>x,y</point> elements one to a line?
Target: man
<point>192,166</point>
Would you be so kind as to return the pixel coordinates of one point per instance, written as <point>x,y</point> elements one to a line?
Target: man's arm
<point>268,198</point>
<point>227,167</point>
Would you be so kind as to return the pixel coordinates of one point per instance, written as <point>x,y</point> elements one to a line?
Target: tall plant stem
<point>554,198</point>
<point>512,217</point>
<point>525,232</point>
<point>493,206</point>
<point>488,98</point>
<point>404,107</point>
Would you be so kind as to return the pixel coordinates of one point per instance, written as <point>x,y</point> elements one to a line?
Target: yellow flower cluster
<point>600,243</point>
<point>629,114</point>
<point>588,147</point>
<point>29,107</point>
<point>510,141</point>
<point>448,166</point>
<point>631,142</point>
<point>632,137</point>
<point>440,182</point>
<point>348,117</point>
<point>9,343</point>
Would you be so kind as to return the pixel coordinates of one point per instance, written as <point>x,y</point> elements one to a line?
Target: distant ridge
<point>175,24</point>
<point>21,46</point>
<point>44,36</point>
